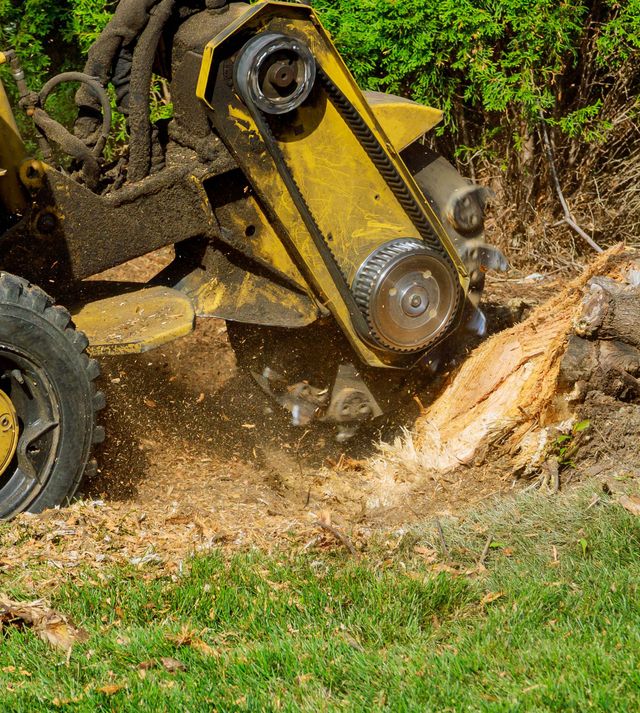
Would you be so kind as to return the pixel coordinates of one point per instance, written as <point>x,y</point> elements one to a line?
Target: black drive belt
<point>387,170</point>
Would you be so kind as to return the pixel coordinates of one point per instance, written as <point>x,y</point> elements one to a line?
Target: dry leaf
<point>64,702</point>
<point>150,403</point>
<point>59,632</point>
<point>630,503</point>
<point>190,638</point>
<point>429,554</point>
<point>169,664</point>
<point>110,688</point>
<point>184,638</point>
<point>204,648</point>
<point>172,665</point>
<point>491,597</point>
<point>442,567</point>
<point>51,626</point>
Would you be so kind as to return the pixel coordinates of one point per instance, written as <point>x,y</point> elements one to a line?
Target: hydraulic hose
<point>99,92</point>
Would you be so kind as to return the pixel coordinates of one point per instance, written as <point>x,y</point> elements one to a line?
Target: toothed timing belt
<point>392,178</point>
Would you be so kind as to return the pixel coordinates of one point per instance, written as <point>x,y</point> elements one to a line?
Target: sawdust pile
<point>197,459</point>
<point>97,536</point>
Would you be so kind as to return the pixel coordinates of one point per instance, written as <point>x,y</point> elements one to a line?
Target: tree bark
<point>610,310</point>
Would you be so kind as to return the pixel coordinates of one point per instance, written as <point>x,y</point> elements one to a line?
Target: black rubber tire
<point>41,333</point>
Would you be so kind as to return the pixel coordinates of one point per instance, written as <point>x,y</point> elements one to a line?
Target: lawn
<point>551,624</point>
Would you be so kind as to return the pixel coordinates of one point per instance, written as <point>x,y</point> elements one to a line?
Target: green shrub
<point>493,66</point>
<point>493,59</point>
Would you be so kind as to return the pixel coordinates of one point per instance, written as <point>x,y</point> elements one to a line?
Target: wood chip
<point>50,625</point>
<point>631,503</point>
<point>110,689</point>
<point>491,597</point>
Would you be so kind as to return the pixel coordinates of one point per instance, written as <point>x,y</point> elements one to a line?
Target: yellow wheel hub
<point>8,431</point>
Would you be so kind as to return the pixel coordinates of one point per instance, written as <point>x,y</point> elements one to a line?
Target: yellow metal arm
<point>12,154</point>
<point>403,120</point>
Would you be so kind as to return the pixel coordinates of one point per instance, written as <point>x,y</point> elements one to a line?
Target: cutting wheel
<point>408,294</point>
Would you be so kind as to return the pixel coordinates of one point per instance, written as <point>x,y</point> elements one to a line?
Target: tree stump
<point>529,381</point>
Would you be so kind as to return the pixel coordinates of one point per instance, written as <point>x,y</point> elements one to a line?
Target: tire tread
<point>18,291</point>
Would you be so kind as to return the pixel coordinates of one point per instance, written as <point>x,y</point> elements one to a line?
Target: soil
<point>188,429</point>
<point>196,455</point>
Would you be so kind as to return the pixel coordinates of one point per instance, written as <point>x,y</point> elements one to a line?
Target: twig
<point>485,551</point>
<point>568,218</point>
<point>443,542</point>
<point>595,500</point>
<point>537,483</point>
<point>423,410</point>
<point>339,536</point>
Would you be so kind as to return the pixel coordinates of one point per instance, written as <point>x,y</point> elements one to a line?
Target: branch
<point>568,218</point>
<point>339,536</point>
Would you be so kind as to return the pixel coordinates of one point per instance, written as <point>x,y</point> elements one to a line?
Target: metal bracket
<point>350,405</point>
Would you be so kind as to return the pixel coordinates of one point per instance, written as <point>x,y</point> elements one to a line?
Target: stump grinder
<point>305,212</point>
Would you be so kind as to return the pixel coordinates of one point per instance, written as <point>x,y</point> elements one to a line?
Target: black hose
<point>100,94</point>
<point>140,88</point>
<point>128,21</point>
<point>70,144</point>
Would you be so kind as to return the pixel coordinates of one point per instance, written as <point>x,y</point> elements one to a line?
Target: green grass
<point>315,632</point>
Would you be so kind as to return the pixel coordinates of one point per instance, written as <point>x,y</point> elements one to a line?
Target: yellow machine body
<point>403,121</point>
<point>278,197</point>
<point>136,321</point>
<point>353,204</point>
<point>344,190</point>
<point>12,154</point>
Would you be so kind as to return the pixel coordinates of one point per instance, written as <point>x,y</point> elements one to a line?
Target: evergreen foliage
<point>496,67</point>
<point>492,59</point>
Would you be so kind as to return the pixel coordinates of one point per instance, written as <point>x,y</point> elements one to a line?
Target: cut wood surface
<point>525,379</point>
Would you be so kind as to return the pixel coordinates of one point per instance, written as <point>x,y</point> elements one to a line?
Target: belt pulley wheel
<point>8,431</point>
<point>408,294</point>
<point>275,73</point>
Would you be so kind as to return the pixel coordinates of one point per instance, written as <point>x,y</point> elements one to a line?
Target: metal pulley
<point>275,73</point>
<point>407,293</point>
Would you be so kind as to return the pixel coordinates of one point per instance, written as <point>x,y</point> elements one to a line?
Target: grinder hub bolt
<point>415,301</point>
